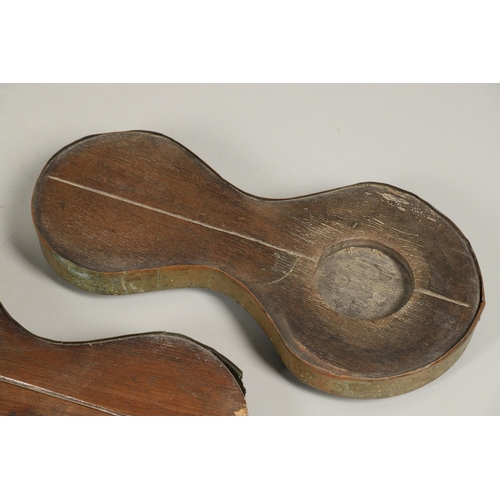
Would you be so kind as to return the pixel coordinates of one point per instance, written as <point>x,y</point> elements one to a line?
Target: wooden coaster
<point>148,374</point>
<point>365,291</point>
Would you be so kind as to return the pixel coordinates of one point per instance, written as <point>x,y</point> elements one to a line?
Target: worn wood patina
<point>148,374</point>
<point>365,291</point>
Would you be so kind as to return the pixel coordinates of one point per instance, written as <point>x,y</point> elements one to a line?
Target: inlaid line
<point>442,297</point>
<point>182,217</point>
<point>54,394</point>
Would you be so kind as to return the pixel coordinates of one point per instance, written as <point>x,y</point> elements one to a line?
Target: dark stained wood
<point>365,291</point>
<point>21,401</point>
<point>149,374</point>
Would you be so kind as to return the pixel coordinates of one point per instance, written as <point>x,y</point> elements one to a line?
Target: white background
<point>441,142</point>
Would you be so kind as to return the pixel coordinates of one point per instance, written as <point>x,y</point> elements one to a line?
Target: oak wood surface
<point>365,291</point>
<point>146,374</point>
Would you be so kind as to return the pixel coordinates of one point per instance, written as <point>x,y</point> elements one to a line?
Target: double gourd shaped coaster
<point>365,291</point>
<point>155,373</point>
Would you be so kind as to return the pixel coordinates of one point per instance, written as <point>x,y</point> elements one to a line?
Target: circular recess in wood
<point>363,281</point>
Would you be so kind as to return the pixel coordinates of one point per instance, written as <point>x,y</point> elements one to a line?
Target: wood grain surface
<point>365,291</point>
<point>148,374</point>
